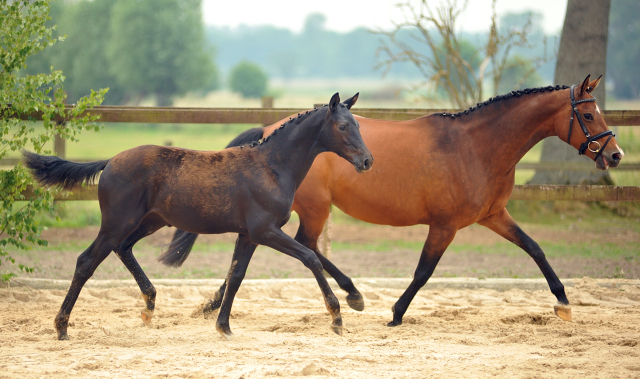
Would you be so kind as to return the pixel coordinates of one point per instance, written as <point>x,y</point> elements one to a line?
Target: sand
<point>282,330</point>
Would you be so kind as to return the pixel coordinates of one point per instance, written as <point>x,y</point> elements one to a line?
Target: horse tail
<point>53,171</point>
<point>248,136</point>
<point>179,249</point>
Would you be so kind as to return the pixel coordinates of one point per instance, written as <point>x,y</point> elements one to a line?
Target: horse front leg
<point>241,257</point>
<point>503,224</point>
<point>278,240</point>
<point>437,242</point>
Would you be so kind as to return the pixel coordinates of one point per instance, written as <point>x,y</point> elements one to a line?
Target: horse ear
<point>333,103</point>
<point>593,84</point>
<point>352,100</point>
<point>585,84</point>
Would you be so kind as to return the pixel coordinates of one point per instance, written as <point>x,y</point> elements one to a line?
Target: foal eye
<point>588,116</point>
<point>342,127</point>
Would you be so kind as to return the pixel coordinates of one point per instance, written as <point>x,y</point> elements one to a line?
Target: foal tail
<point>182,242</point>
<point>53,171</point>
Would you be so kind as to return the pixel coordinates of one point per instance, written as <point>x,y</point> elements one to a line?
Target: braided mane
<point>508,95</point>
<point>295,121</point>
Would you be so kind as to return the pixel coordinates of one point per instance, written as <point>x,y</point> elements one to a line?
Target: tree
<point>157,48</point>
<point>623,51</point>
<point>248,79</point>
<point>583,47</point>
<point>441,56</point>
<point>23,33</point>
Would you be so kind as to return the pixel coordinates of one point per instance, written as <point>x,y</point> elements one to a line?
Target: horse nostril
<point>616,157</point>
<point>366,164</point>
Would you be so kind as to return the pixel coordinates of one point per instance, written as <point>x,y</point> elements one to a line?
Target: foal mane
<point>300,117</point>
<point>508,95</point>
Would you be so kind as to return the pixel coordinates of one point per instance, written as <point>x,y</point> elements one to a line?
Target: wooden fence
<point>268,115</point>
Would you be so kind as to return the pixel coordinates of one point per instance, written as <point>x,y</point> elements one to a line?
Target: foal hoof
<point>356,302</point>
<point>394,323</point>
<point>336,329</point>
<point>63,336</point>
<point>563,311</point>
<point>146,316</point>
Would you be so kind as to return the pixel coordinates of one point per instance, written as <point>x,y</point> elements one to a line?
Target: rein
<point>590,139</point>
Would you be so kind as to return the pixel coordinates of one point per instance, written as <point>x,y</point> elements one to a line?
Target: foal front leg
<point>503,224</point>
<point>278,240</point>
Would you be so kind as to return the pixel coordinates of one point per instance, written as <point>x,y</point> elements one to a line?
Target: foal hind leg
<point>86,264</point>
<point>437,242</point>
<point>312,219</point>
<point>125,252</point>
<point>241,257</point>
<point>503,224</point>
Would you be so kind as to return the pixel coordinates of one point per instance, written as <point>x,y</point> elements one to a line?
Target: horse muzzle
<point>606,160</point>
<point>363,163</point>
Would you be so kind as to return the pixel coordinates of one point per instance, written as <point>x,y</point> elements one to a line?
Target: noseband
<point>590,139</point>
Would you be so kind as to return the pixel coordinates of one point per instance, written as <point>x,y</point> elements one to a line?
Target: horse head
<point>341,134</point>
<point>586,130</point>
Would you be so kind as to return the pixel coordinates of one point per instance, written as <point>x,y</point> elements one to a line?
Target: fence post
<point>267,102</point>
<point>59,144</point>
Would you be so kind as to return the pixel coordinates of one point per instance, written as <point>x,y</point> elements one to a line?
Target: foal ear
<point>333,103</point>
<point>352,100</point>
<point>593,84</point>
<point>585,85</point>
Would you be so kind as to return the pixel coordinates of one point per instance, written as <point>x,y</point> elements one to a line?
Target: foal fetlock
<point>147,313</point>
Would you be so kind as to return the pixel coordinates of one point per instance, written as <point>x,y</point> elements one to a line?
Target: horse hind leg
<point>125,252</point>
<point>503,224</point>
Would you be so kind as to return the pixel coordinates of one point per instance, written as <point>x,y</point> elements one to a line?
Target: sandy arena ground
<point>282,330</point>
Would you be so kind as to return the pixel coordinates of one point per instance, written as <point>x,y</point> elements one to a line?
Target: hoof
<point>146,316</point>
<point>63,336</point>
<point>562,311</point>
<point>225,331</point>
<point>211,307</point>
<point>394,323</point>
<point>356,302</point>
<point>336,329</point>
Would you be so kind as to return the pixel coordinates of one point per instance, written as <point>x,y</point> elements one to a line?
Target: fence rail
<point>175,115</point>
<point>268,115</point>
<point>520,192</point>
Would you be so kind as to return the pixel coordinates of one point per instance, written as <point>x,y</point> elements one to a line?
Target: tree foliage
<point>23,33</point>
<point>146,48</point>
<point>623,51</point>
<point>436,49</point>
<point>248,79</point>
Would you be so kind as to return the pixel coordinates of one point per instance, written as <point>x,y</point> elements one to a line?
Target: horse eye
<point>588,116</point>
<point>342,127</point>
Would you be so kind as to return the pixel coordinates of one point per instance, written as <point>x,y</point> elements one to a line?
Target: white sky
<point>346,15</point>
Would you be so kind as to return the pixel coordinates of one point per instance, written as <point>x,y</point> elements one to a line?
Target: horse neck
<point>292,150</point>
<point>508,131</point>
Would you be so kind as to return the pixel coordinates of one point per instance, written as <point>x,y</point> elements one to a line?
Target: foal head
<point>586,130</point>
<point>341,134</point>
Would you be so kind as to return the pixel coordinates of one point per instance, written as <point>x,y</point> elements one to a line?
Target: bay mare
<point>247,190</point>
<point>444,170</point>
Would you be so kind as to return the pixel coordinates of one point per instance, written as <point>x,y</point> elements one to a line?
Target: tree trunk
<point>583,51</point>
